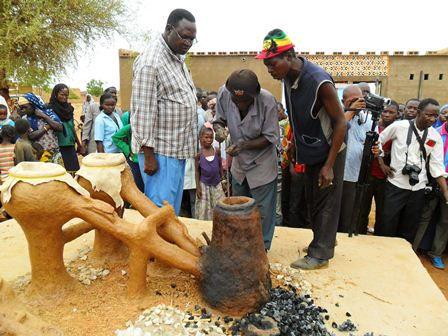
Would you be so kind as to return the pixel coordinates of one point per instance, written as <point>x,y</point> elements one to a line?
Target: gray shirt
<point>258,166</point>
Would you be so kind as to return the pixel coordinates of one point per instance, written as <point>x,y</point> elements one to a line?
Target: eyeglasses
<point>190,41</point>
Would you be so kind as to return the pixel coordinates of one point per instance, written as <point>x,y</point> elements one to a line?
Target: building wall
<point>401,88</point>
<point>210,71</point>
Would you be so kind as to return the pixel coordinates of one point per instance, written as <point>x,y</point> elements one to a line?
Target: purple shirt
<point>210,175</point>
<point>444,135</point>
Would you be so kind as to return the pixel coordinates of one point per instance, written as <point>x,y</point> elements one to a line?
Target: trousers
<point>324,208</point>
<point>401,212</point>
<point>167,183</point>
<point>441,230</point>
<point>265,197</point>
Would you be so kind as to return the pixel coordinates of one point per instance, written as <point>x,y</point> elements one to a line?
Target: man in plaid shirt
<point>163,110</point>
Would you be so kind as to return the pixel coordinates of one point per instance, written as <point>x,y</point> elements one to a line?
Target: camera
<point>376,103</point>
<point>412,171</point>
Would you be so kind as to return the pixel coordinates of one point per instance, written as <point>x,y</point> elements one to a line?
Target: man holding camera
<point>359,122</point>
<point>417,151</point>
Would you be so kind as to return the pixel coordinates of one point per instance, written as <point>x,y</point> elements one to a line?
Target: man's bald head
<point>350,94</point>
<point>351,90</point>
<point>365,88</point>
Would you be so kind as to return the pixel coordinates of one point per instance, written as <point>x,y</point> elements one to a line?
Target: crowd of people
<point>301,163</point>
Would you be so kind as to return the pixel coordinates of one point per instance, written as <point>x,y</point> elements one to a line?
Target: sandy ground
<point>380,281</point>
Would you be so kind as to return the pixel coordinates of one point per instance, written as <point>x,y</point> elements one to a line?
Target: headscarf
<point>63,110</point>
<point>4,102</point>
<point>37,103</point>
<point>274,44</point>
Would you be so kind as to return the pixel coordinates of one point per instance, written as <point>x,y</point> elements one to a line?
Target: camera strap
<point>421,142</point>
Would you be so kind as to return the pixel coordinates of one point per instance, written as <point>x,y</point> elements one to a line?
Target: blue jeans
<point>167,183</point>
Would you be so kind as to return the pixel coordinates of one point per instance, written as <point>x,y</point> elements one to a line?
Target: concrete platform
<point>379,281</point>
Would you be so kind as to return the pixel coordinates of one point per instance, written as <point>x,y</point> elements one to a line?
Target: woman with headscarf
<point>66,139</point>
<point>44,124</point>
<point>443,114</point>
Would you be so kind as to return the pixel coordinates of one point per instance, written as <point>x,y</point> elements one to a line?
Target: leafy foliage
<point>95,87</point>
<point>39,38</point>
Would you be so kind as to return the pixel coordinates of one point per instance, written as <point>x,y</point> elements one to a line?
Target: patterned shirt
<point>444,134</point>
<point>48,140</point>
<point>163,103</point>
<point>6,160</point>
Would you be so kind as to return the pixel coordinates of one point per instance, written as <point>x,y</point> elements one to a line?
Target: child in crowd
<point>23,149</point>
<point>122,139</point>
<point>41,154</point>
<point>7,136</point>
<point>107,123</point>
<point>208,176</point>
<point>4,120</point>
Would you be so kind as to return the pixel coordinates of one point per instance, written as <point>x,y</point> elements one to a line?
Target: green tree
<point>39,38</point>
<point>95,87</point>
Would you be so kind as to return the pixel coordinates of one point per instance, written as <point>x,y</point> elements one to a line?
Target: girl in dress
<point>208,176</point>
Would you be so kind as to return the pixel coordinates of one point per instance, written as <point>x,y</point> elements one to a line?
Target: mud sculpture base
<point>235,267</point>
<point>16,320</point>
<point>52,203</point>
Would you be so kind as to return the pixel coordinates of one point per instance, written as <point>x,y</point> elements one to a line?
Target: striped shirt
<point>163,103</point>
<point>6,160</point>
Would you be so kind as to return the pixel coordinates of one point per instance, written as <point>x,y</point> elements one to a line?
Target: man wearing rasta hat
<point>250,113</point>
<point>319,129</point>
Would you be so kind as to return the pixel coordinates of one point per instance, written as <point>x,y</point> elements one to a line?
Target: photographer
<point>377,178</point>
<point>359,123</point>
<point>415,145</point>
<point>435,201</point>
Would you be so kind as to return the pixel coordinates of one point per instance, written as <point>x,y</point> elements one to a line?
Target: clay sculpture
<point>42,197</point>
<point>16,320</point>
<point>108,178</point>
<point>235,268</point>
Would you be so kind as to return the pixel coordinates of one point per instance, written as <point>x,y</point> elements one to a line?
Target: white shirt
<point>398,133</point>
<point>190,174</point>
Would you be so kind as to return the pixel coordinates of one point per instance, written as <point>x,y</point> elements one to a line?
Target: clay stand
<point>235,266</point>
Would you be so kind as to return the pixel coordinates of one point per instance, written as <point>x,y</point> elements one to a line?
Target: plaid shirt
<point>163,103</point>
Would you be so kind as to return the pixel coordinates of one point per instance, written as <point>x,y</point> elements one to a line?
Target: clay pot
<point>235,268</point>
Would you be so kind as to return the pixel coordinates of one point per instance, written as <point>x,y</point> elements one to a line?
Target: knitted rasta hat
<point>274,44</point>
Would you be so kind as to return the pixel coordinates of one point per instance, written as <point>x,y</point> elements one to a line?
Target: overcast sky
<point>237,25</point>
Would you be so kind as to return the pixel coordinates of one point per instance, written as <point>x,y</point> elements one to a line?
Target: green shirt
<point>122,139</point>
<point>69,139</point>
<point>125,118</point>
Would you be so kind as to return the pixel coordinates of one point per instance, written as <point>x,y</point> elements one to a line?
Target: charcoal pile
<point>286,314</point>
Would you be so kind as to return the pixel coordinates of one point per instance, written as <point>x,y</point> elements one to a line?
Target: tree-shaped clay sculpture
<point>42,197</point>
<point>107,177</point>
